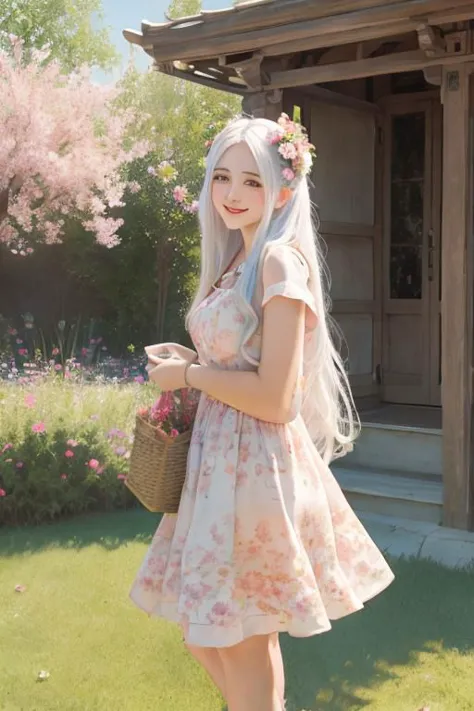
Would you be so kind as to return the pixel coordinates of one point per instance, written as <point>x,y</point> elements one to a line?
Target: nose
<point>233,195</point>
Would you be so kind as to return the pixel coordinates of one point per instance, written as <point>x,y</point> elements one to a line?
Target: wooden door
<point>345,179</point>
<point>411,266</point>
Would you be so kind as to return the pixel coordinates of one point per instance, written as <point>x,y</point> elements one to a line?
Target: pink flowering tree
<point>63,145</point>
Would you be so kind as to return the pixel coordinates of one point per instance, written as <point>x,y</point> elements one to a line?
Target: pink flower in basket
<point>173,413</point>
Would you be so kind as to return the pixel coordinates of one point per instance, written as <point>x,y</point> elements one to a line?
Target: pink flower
<point>180,193</point>
<point>6,447</point>
<point>55,351</point>
<point>288,174</point>
<point>275,137</point>
<point>68,453</point>
<point>3,492</point>
<point>58,366</point>
<point>120,451</point>
<point>84,351</point>
<point>12,331</point>
<point>20,465</point>
<point>72,443</point>
<point>121,476</point>
<point>63,476</point>
<point>38,427</point>
<point>30,400</point>
<point>19,341</point>
<point>93,463</point>
<point>288,151</point>
<point>174,433</point>
<point>23,351</point>
<point>139,379</point>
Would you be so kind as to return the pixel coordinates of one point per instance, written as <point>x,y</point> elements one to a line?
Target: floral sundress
<point>264,540</point>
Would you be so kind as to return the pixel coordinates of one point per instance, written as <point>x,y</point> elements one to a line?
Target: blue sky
<point>126,14</point>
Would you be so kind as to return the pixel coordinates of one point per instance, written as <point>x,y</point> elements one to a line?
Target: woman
<point>264,540</point>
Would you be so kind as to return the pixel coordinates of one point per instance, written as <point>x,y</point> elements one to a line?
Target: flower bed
<point>65,444</point>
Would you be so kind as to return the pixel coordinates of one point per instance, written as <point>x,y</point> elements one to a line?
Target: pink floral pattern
<point>264,539</point>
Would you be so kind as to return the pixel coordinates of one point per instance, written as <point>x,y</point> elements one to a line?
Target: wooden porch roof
<point>236,49</point>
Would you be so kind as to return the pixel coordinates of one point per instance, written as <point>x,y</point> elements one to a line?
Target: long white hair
<point>327,405</point>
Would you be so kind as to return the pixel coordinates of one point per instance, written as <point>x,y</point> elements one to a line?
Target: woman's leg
<point>278,668</point>
<point>209,658</point>
<point>249,675</point>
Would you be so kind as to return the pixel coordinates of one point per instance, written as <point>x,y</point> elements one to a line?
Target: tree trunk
<point>3,204</point>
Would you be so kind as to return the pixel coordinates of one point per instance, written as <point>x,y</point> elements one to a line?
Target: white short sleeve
<point>286,273</point>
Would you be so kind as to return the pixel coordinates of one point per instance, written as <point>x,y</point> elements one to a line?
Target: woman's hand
<point>166,364</point>
<point>167,373</point>
<point>171,349</point>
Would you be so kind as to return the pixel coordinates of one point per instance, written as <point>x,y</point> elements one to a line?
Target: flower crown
<point>295,151</point>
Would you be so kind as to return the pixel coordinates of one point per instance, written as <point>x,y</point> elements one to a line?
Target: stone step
<point>397,447</point>
<point>373,491</point>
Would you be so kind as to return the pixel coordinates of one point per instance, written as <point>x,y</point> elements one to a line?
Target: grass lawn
<point>412,647</point>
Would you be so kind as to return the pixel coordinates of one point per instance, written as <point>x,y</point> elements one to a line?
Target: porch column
<point>457,299</point>
<point>263,104</point>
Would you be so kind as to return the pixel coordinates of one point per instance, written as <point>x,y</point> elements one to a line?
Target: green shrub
<point>64,448</point>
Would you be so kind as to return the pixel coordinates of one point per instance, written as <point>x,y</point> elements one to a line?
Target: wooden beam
<point>392,29</point>
<point>430,40</point>
<point>199,79</point>
<point>263,104</point>
<point>374,66</point>
<point>433,75</point>
<point>457,298</point>
<point>175,44</point>
<point>283,15</point>
<point>217,24</point>
<point>334,98</point>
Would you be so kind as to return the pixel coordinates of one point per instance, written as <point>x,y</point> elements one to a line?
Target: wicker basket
<point>157,467</point>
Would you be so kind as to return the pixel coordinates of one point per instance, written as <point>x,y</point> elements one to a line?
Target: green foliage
<point>78,462</point>
<point>65,25</point>
<point>183,8</point>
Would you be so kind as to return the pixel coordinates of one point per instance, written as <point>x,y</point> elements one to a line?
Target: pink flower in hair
<point>288,174</point>
<point>288,151</point>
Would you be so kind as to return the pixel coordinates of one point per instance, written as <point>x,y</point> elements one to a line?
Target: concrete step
<point>399,448</point>
<point>373,491</point>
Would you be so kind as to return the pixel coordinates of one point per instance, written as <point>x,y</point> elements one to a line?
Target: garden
<point>99,257</point>
<point>99,253</point>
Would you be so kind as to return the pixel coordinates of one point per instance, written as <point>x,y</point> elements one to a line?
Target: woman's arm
<point>268,393</point>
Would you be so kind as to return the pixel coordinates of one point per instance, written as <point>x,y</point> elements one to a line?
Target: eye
<point>253,183</point>
<point>219,178</point>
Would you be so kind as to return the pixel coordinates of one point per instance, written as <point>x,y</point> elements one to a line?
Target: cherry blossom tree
<point>63,147</point>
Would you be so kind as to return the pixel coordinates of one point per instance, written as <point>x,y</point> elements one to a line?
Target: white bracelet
<point>188,365</point>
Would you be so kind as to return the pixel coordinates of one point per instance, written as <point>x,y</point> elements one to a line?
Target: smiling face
<point>237,190</point>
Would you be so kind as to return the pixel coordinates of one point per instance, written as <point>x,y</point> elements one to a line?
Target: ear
<point>283,196</point>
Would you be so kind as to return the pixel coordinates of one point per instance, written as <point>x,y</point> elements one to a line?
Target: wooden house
<point>385,89</point>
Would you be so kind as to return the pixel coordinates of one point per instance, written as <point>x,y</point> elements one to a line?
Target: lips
<point>234,210</point>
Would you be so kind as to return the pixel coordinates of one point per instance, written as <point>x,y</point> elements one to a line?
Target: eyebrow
<point>245,172</point>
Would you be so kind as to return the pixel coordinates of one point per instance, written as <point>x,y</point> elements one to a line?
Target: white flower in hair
<point>307,162</point>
